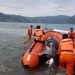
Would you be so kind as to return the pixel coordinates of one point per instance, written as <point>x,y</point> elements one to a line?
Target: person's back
<point>66,45</point>
<point>65,51</point>
<point>38,33</point>
<point>71,34</point>
<point>30,32</point>
<point>29,35</point>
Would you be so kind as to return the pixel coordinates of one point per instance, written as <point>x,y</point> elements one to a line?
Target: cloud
<point>38,7</point>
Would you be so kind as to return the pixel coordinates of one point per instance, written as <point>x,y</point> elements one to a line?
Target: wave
<point>13,31</point>
<point>61,31</point>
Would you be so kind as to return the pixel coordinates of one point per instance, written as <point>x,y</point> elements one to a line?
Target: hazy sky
<point>38,7</point>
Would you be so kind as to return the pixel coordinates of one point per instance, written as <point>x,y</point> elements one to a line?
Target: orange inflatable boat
<point>31,57</point>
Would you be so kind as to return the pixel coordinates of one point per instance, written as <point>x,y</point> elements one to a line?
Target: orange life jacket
<point>71,35</point>
<point>67,45</point>
<point>38,33</point>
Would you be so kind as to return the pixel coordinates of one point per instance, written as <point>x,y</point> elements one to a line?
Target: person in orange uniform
<point>71,34</point>
<point>30,32</point>
<point>65,51</point>
<point>38,33</point>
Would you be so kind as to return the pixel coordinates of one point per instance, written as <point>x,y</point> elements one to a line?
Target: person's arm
<point>44,33</point>
<point>34,34</point>
<point>68,34</point>
<point>74,50</point>
<point>74,45</point>
<point>59,49</point>
<point>74,37</point>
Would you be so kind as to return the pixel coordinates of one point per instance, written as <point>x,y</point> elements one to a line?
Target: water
<point>12,48</point>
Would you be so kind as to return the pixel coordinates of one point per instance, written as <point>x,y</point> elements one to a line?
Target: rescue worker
<point>29,34</point>
<point>65,52</point>
<point>30,31</point>
<point>38,33</point>
<point>71,34</point>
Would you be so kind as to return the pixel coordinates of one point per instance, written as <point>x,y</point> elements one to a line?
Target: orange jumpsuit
<point>30,32</point>
<point>74,56</point>
<point>71,35</point>
<point>65,51</point>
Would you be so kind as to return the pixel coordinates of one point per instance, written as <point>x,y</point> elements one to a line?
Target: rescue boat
<point>31,57</point>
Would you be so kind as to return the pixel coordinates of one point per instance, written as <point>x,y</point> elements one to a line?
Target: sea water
<point>12,48</point>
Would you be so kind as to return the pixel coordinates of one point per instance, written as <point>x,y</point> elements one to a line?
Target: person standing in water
<point>30,31</point>
<point>71,34</point>
<point>66,52</point>
<point>29,34</point>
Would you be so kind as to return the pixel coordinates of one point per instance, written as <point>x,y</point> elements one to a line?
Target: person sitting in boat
<point>71,34</point>
<point>38,33</point>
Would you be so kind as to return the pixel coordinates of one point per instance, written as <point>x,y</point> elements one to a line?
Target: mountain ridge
<point>59,19</point>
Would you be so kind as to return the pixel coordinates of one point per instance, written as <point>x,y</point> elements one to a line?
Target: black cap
<point>38,27</point>
<point>65,36</point>
<point>31,25</point>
